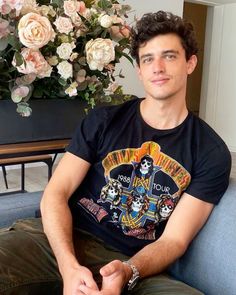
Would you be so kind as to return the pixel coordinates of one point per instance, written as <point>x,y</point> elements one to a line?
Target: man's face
<point>163,67</point>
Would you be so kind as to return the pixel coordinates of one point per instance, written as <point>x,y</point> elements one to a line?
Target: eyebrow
<point>170,51</point>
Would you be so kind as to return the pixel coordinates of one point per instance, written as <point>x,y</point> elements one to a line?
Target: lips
<point>160,80</point>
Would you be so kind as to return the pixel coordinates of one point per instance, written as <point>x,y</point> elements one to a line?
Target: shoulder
<point>205,138</point>
<point>212,162</point>
<point>105,111</point>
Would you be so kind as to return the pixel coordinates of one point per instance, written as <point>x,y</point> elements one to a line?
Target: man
<point>140,179</point>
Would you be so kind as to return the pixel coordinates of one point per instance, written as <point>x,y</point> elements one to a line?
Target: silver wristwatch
<point>135,276</point>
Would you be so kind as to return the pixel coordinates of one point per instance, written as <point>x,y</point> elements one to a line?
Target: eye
<point>147,60</point>
<point>170,56</point>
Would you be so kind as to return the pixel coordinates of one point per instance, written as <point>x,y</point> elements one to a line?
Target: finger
<point>87,290</point>
<point>91,283</point>
<point>110,268</point>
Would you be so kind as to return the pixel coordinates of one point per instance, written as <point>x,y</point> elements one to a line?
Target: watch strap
<point>135,275</point>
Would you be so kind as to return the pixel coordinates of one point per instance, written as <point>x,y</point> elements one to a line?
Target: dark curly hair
<point>160,23</point>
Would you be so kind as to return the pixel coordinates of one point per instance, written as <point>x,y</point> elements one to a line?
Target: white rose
<point>99,53</point>
<point>65,50</point>
<point>106,21</point>
<point>65,69</point>
<point>72,89</point>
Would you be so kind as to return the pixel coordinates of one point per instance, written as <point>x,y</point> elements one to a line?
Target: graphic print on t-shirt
<point>143,186</point>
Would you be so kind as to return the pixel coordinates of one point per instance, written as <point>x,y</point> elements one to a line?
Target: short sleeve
<point>210,176</point>
<point>85,140</point>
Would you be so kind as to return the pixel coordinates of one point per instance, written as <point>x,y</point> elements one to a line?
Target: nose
<point>158,65</point>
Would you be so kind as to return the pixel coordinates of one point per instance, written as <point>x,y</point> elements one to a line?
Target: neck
<point>163,114</point>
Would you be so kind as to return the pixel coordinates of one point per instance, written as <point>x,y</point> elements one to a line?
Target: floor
<point>36,177</point>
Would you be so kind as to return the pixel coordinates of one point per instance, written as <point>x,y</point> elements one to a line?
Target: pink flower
<point>35,30</point>
<point>4,28</point>
<point>72,7</point>
<point>19,92</point>
<point>120,30</point>
<point>63,24</point>
<point>13,4</point>
<point>34,63</point>
<point>5,9</point>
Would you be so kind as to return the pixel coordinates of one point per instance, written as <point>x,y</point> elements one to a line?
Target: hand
<point>76,277</point>
<point>114,276</point>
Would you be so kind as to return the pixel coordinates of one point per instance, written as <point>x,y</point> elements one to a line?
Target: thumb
<point>110,268</point>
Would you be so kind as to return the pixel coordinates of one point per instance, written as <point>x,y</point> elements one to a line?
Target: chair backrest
<point>210,262</point>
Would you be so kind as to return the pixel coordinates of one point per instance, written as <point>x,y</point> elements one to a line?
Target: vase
<point>51,119</point>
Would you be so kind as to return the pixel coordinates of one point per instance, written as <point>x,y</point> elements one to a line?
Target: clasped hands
<point>80,281</point>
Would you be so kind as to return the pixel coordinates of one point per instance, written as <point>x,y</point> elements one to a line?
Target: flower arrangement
<point>55,48</point>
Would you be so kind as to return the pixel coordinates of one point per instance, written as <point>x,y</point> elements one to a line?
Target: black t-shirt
<point>139,173</point>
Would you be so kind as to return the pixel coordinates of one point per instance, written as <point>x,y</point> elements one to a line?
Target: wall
<point>197,14</point>
<point>131,83</point>
<point>218,100</point>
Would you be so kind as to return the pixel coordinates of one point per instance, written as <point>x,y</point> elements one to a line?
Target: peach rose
<point>34,63</point>
<point>72,7</point>
<point>63,24</point>
<point>35,30</point>
<point>29,6</point>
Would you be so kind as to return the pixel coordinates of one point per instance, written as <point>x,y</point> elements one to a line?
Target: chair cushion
<point>16,206</point>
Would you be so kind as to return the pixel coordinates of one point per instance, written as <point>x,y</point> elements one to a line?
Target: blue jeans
<point>28,265</point>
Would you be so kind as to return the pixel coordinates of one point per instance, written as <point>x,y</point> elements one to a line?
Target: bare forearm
<point>157,256</point>
<point>57,222</point>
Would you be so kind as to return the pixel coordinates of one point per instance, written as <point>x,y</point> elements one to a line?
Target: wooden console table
<point>29,152</point>
<point>33,148</point>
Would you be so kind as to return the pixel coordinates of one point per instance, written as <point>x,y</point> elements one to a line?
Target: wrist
<point>128,272</point>
<point>68,263</point>
<point>132,276</point>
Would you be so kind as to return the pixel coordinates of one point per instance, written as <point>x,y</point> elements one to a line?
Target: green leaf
<point>14,42</point>
<point>58,3</point>
<point>62,81</point>
<point>128,57</point>
<point>92,87</point>
<point>3,44</point>
<point>19,59</point>
<point>38,92</point>
<point>104,4</point>
<point>23,109</point>
<point>82,86</point>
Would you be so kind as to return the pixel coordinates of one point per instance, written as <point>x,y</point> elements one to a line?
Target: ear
<point>191,64</point>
